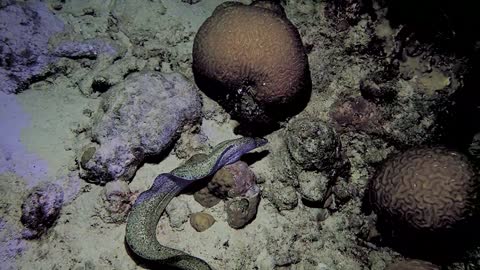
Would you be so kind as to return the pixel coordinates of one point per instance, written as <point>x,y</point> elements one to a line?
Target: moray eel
<point>146,211</point>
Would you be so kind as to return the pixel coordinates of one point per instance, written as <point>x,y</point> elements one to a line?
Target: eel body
<point>146,211</point>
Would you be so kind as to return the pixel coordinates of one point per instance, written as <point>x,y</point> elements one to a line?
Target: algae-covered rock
<point>314,145</point>
<point>282,196</point>
<point>313,186</point>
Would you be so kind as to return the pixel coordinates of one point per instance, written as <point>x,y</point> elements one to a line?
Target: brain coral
<point>252,61</point>
<point>412,265</point>
<point>428,190</point>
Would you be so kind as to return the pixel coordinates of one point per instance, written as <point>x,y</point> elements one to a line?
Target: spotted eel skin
<point>146,211</point>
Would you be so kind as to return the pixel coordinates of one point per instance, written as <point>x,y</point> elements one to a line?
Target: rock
<point>201,221</point>
<point>314,145</point>
<point>206,198</point>
<point>313,186</point>
<point>139,117</point>
<point>474,147</point>
<point>242,209</point>
<point>139,29</point>
<point>232,180</point>
<point>282,196</point>
<point>41,209</point>
<point>25,30</point>
<point>115,202</point>
<point>357,114</point>
<point>229,182</point>
<point>90,49</point>
<point>178,212</point>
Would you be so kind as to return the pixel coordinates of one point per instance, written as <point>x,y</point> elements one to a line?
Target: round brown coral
<point>428,190</point>
<point>252,61</point>
<point>412,265</point>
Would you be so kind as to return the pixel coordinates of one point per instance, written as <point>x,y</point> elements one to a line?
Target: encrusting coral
<point>252,61</point>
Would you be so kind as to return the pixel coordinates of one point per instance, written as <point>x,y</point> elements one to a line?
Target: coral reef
<point>376,88</point>
<point>252,61</point>
<point>138,118</point>
<point>201,221</point>
<point>25,29</point>
<point>41,209</point>
<point>427,189</point>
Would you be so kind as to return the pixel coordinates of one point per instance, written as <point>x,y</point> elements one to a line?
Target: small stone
<point>206,198</point>
<point>201,221</point>
<point>87,155</point>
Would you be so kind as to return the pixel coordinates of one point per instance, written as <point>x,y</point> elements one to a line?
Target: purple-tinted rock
<point>90,49</point>
<point>232,180</point>
<point>242,210</point>
<point>41,209</point>
<point>25,29</point>
<point>139,117</point>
